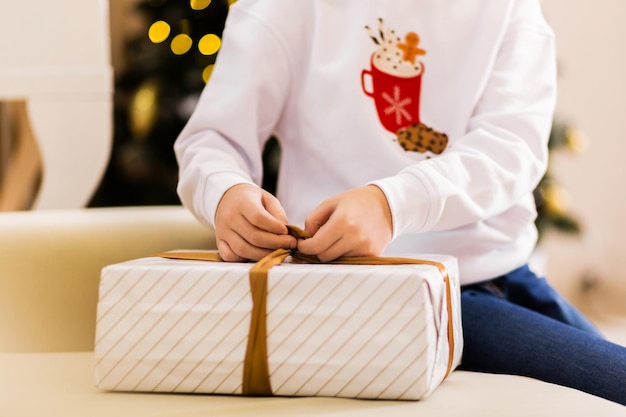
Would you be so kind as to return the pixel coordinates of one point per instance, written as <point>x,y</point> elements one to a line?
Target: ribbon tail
<point>256,375</point>
<point>191,256</point>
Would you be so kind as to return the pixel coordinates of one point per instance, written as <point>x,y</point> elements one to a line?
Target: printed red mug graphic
<point>396,94</point>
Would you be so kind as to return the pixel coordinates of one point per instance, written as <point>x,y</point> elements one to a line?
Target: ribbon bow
<point>256,375</point>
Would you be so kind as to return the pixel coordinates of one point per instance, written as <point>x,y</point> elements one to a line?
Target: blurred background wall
<point>592,95</point>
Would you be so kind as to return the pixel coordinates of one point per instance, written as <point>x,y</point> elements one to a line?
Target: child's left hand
<point>354,223</point>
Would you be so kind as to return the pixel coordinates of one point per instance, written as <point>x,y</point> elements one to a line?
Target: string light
<point>199,4</point>
<point>159,31</point>
<point>206,74</point>
<point>209,44</point>
<point>182,43</point>
<point>143,110</point>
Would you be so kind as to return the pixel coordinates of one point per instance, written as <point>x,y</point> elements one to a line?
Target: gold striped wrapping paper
<point>333,330</point>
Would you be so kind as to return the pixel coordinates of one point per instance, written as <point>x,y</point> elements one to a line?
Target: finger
<point>258,216</point>
<point>226,253</point>
<point>271,241</point>
<point>273,206</point>
<point>320,243</point>
<point>338,249</point>
<point>260,238</point>
<point>319,216</point>
<point>237,249</point>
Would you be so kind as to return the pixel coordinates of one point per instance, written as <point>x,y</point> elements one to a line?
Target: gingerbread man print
<point>410,47</point>
<point>395,76</point>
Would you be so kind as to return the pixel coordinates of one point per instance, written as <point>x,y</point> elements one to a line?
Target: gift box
<point>341,330</point>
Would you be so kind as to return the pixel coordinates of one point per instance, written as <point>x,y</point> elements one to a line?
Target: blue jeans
<point>517,324</point>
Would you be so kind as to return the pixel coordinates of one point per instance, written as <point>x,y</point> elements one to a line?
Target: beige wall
<point>592,95</point>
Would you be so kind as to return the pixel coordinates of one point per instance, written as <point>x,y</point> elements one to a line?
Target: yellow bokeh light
<point>556,199</point>
<point>206,74</point>
<point>181,44</point>
<point>209,44</point>
<point>576,140</point>
<point>199,4</point>
<point>143,109</point>
<point>159,31</point>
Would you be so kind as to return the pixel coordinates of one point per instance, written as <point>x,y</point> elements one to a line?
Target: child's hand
<point>354,223</point>
<point>249,224</point>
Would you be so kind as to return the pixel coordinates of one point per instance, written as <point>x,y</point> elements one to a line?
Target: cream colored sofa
<point>50,263</point>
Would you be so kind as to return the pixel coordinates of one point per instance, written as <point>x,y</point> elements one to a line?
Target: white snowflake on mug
<point>397,105</point>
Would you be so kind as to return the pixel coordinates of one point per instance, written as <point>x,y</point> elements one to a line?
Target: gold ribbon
<point>256,375</point>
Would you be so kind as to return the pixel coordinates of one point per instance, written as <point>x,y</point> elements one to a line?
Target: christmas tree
<point>168,65</point>
<point>552,200</point>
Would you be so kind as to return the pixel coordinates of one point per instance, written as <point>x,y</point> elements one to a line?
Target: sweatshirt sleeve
<point>222,143</point>
<point>503,153</point>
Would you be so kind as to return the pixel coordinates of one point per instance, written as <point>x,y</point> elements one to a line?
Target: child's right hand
<point>249,224</point>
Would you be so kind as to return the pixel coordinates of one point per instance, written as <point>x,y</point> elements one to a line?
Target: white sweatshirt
<point>446,105</point>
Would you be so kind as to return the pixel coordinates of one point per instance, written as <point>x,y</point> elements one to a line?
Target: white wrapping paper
<point>332,330</point>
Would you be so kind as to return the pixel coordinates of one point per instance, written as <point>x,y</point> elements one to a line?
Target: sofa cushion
<point>61,384</point>
<point>50,266</point>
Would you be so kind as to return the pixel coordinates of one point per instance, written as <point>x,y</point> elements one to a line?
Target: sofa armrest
<point>50,263</point>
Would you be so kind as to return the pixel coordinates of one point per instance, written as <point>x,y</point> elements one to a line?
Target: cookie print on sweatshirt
<point>394,82</point>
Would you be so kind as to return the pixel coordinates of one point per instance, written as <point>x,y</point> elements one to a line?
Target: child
<point>407,126</point>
